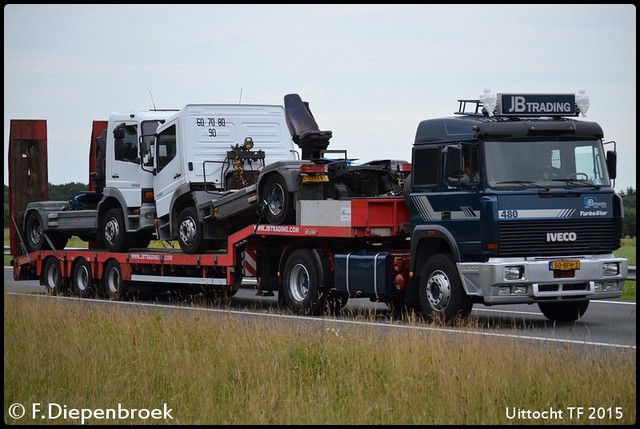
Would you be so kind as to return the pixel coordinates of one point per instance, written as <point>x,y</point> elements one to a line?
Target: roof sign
<point>537,105</point>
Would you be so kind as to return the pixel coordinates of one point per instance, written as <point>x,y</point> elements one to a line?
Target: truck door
<point>123,170</point>
<point>446,183</point>
<point>168,176</point>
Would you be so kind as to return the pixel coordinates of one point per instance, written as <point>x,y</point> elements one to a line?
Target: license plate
<point>564,265</point>
<point>317,178</point>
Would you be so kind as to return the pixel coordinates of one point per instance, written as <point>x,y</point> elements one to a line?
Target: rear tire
<point>82,280</point>
<point>113,286</point>
<point>563,311</point>
<point>301,283</point>
<point>52,277</point>
<point>34,233</point>
<point>36,238</point>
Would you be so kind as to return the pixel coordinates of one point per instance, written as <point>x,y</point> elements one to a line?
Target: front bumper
<point>537,282</point>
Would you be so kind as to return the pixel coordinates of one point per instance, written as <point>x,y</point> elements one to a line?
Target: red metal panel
<point>28,173</point>
<point>96,130</point>
<point>379,213</point>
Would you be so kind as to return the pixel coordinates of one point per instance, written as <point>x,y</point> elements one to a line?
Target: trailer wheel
<point>440,290</point>
<point>279,201</point>
<point>116,238</point>
<point>191,232</point>
<point>52,277</point>
<point>113,286</point>
<point>301,281</point>
<point>563,311</point>
<point>82,280</point>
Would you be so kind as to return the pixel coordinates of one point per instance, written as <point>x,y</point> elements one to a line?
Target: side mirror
<point>612,159</point>
<point>455,171</point>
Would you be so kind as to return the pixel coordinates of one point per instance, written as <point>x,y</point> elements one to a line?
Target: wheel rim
<point>276,199</point>
<point>299,282</point>
<point>188,229</point>
<point>112,231</point>
<point>35,232</point>
<point>82,278</point>
<point>52,275</point>
<point>113,281</point>
<point>438,290</point>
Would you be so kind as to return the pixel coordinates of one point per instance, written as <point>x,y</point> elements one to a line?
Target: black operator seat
<point>304,128</point>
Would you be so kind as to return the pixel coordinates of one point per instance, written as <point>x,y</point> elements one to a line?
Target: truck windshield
<point>545,163</point>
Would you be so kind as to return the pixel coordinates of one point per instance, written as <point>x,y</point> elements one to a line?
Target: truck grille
<point>529,238</point>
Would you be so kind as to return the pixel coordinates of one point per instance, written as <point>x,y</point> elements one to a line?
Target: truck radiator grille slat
<point>548,238</point>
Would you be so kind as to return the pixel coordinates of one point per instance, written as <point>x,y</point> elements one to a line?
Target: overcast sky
<point>369,72</point>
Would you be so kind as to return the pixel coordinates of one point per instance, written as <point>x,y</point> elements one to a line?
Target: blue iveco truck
<point>511,201</point>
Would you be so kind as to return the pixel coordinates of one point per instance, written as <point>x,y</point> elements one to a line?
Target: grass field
<point>217,369</point>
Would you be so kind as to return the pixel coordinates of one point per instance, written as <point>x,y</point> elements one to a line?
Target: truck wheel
<point>113,287</point>
<point>116,238</point>
<point>563,311</point>
<point>279,201</point>
<point>52,277</point>
<point>440,290</point>
<point>34,233</point>
<point>301,281</point>
<point>191,232</point>
<point>82,281</point>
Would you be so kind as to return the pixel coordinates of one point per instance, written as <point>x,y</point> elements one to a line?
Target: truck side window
<point>426,166</point>
<point>166,146</point>
<point>126,143</point>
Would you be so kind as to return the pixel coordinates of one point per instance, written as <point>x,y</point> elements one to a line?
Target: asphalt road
<point>606,324</point>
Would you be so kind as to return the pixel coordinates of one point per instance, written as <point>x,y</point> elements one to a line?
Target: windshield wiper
<point>572,181</point>
<point>524,183</point>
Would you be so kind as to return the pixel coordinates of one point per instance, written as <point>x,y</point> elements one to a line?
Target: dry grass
<point>219,369</point>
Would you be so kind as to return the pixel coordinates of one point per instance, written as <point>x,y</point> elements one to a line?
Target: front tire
<point>440,290</point>
<point>116,238</point>
<point>279,210</point>
<point>191,232</point>
<point>563,311</point>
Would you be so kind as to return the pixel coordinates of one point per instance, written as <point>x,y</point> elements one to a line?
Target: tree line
<point>69,190</point>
